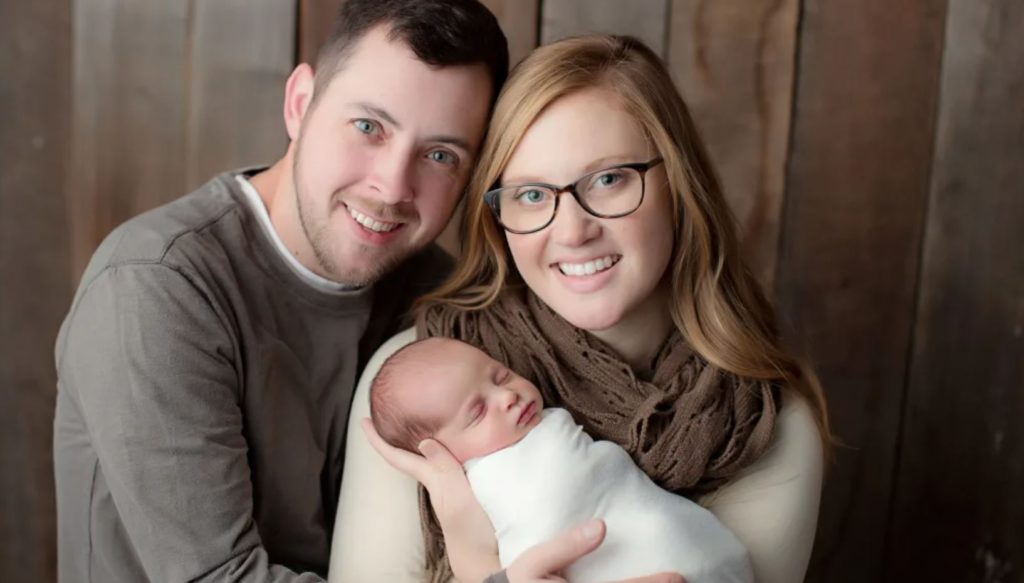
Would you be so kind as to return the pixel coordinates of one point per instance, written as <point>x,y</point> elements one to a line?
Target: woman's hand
<point>542,562</point>
<point>468,533</point>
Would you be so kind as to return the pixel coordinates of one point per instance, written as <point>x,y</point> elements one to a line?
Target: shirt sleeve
<point>772,506</point>
<point>150,361</point>
<point>377,534</point>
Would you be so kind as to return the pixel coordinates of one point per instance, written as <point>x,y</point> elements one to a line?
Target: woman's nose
<point>573,225</point>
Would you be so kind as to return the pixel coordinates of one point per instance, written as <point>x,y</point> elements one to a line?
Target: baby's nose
<point>509,398</point>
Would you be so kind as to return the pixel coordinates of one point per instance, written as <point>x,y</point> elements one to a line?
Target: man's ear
<point>298,95</point>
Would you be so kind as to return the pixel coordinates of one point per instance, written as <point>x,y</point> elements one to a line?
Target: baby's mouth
<point>527,414</point>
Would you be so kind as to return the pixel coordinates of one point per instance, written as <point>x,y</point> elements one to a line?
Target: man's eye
<point>365,126</point>
<point>443,157</point>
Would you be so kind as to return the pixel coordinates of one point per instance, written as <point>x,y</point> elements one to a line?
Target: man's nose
<point>391,177</point>
<point>573,225</point>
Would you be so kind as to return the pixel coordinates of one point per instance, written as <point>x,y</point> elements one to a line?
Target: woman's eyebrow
<point>597,164</point>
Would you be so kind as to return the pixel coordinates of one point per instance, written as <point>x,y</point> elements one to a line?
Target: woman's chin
<point>592,320</point>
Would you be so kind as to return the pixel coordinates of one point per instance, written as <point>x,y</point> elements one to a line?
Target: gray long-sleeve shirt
<point>203,398</point>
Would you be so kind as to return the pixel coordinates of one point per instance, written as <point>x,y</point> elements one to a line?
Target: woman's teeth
<point>371,224</point>
<point>588,268</point>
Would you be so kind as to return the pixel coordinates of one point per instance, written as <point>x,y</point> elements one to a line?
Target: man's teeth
<point>588,268</point>
<point>371,224</point>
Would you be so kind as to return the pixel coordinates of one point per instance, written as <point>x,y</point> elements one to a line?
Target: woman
<point>601,263</point>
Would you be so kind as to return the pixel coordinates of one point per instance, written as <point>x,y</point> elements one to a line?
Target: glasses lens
<point>524,208</point>
<point>612,192</point>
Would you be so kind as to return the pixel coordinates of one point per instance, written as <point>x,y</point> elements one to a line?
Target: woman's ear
<point>298,95</point>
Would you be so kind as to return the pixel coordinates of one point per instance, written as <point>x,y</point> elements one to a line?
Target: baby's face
<point>483,405</point>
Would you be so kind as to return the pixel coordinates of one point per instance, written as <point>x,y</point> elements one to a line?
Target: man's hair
<point>442,33</point>
<point>396,424</point>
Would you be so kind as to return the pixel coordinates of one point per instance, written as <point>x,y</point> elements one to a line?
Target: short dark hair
<point>397,426</point>
<point>442,33</point>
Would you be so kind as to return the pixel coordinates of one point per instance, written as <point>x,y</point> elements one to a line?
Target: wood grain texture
<point>959,510</point>
<point>315,19</point>
<point>734,61</point>
<point>518,20</point>
<point>644,19</point>
<point>242,52</point>
<point>856,187</point>
<point>35,282</point>
<point>130,100</point>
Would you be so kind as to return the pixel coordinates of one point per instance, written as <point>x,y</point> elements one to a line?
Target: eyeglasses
<point>608,194</point>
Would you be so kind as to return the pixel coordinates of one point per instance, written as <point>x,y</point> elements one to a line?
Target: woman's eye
<point>608,179</point>
<point>532,196</point>
<point>365,126</point>
<point>443,157</point>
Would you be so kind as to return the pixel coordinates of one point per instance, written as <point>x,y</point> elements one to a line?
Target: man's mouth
<point>370,223</point>
<point>588,267</point>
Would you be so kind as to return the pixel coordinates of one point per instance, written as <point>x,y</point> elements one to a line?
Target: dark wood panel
<point>35,282</point>
<point>518,19</point>
<point>959,510</point>
<point>241,55</point>
<point>733,61</point>
<point>128,115</point>
<point>644,19</point>
<point>314,26</point>
<point>857,183</point>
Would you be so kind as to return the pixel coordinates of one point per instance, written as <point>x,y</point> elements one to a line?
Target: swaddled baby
<point>536,473</point>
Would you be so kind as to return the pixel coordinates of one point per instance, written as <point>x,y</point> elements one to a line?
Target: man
<point>208,361</point>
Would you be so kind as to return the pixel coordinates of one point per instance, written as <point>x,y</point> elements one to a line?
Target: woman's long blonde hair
<point>716,303</point>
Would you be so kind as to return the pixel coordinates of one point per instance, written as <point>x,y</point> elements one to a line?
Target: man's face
<point>482,405</point>
<point>382,156</point>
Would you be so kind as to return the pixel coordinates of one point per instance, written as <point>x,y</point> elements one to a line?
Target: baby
<point>536,473</point>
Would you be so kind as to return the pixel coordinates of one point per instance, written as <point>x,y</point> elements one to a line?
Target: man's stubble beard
<point>319,237</point>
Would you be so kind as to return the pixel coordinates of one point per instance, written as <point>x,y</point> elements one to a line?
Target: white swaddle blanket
<point>558,477</point>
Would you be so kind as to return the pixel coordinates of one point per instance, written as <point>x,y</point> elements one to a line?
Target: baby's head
<point>453,392</point>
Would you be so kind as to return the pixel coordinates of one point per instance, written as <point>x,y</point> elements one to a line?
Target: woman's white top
<point>771,506</point>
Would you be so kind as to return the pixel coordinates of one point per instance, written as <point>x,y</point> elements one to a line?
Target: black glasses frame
<point>491,196</point>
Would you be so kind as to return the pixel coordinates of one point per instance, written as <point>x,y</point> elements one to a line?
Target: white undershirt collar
<point>305,274</point>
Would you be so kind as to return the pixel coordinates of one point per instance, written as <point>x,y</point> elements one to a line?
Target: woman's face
<point>598,274</point>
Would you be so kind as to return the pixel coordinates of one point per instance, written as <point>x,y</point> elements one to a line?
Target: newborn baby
<point>535,472</point>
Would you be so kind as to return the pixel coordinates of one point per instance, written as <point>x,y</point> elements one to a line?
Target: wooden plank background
<point>872,152</point>
<point>961,472</point>
<point>856,188</point>
<point>35,282</point>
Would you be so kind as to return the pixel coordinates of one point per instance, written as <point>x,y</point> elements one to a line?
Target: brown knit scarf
<point>690,427</point>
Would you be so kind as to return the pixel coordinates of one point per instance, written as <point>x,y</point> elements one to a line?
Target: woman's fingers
<point>403,461</point>
<point>659,578</point>
<point>544,561</point>
<point>468,534</point>
<point>439,458</point>
<point>549,558</point>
